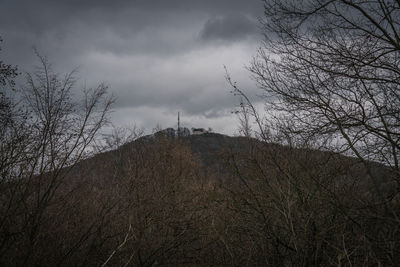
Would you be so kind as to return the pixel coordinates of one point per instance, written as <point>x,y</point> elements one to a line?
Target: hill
<point>205,199</point>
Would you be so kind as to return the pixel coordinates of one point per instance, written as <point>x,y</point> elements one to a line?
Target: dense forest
<point>313,180</point>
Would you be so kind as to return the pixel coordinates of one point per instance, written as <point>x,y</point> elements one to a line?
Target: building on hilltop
<point>181,132</point>
<point>199,131</point>
<point>175,133</point>
<point>185,132</point>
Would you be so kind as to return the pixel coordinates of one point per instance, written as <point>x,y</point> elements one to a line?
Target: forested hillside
<point>203,200</point>
<point>312,177</point>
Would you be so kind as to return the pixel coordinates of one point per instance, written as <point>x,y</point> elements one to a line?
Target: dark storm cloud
<point>155,54</point>
<point>231,27</point>
<point>46,14</point>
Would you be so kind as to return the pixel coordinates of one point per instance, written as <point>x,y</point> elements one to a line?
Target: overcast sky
<point>158,56</point>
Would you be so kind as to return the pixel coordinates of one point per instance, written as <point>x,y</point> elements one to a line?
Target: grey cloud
<point>139,26</point>
<point>153,53</point>
<point>230,27</point>
<point>44,14</point>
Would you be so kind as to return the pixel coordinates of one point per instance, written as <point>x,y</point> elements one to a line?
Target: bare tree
<point>50,132</point>
<point>118,136</point>
<point>330,72</point>
<point>8,117</point>
<point>330,76</point>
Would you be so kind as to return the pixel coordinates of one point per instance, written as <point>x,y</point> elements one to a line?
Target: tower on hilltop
<point>179,126</point>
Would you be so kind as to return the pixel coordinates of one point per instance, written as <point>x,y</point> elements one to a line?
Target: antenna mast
<point>179,125</point>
